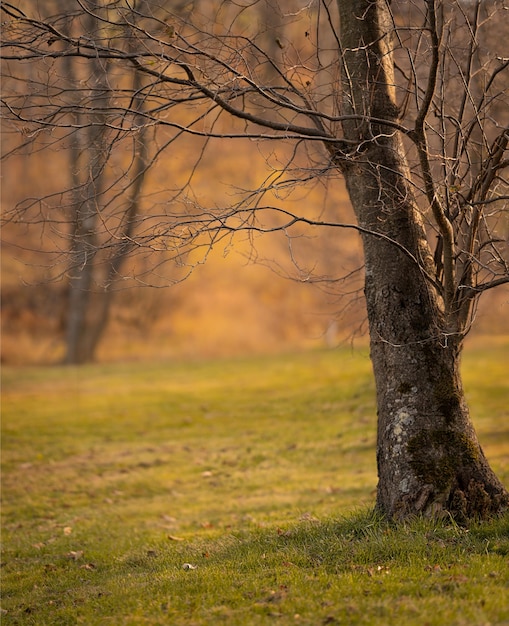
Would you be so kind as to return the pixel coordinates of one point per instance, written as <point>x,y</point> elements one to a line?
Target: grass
<point>258,473</point>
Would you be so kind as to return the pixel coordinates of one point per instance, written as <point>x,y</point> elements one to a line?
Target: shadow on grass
<point>363,539</point>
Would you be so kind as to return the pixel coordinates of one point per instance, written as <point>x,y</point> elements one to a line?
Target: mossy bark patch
<point>453,468</point>
<point>436,456</point>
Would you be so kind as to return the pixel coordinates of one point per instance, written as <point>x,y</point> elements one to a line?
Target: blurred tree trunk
<point>429,458</point>
<point>88,160</point>
<point>88,307</point>
<point>99,323</point>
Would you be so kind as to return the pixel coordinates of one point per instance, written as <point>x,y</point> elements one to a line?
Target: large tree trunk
<point>429,458</point>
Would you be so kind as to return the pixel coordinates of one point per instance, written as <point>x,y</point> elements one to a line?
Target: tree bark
<point>429,459</point>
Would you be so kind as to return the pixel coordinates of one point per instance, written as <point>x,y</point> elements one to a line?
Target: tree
<point>428,456</point>
<point>87,315</point>
<point>88,205</point>
<point>410,107</point>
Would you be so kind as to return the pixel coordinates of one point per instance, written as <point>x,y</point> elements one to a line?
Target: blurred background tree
<point>88,185</point>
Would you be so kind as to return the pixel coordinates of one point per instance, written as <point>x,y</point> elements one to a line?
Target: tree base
<point>477,500</point>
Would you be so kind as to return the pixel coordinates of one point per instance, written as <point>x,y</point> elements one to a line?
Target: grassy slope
<point>258,472</point>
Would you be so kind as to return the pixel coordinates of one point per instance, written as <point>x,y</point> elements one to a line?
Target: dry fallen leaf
<point>173,538</point>
<point>74,554</point>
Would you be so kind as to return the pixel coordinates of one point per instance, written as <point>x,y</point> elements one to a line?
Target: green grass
<point>258,472</point>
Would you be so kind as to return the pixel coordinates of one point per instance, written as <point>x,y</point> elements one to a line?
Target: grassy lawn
<point>231,492</point>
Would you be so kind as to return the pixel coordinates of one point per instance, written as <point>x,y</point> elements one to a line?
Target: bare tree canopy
<point>452,117</point>
<point>407,101</point>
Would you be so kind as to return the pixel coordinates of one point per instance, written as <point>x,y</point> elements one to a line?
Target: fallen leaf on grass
<point>74,554</point>
<point>67,530</point>
<point>380,569</point>
<point>188,566</point>
<point>89,566</point>
<point>433,568</point>
<point>174,538</point>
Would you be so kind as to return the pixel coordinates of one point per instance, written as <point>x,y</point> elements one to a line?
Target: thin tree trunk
<point>98,324</point>
<point>429,459</point>
<point>105,298</point>
<point>87,171</point>
<point>83,251</point>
